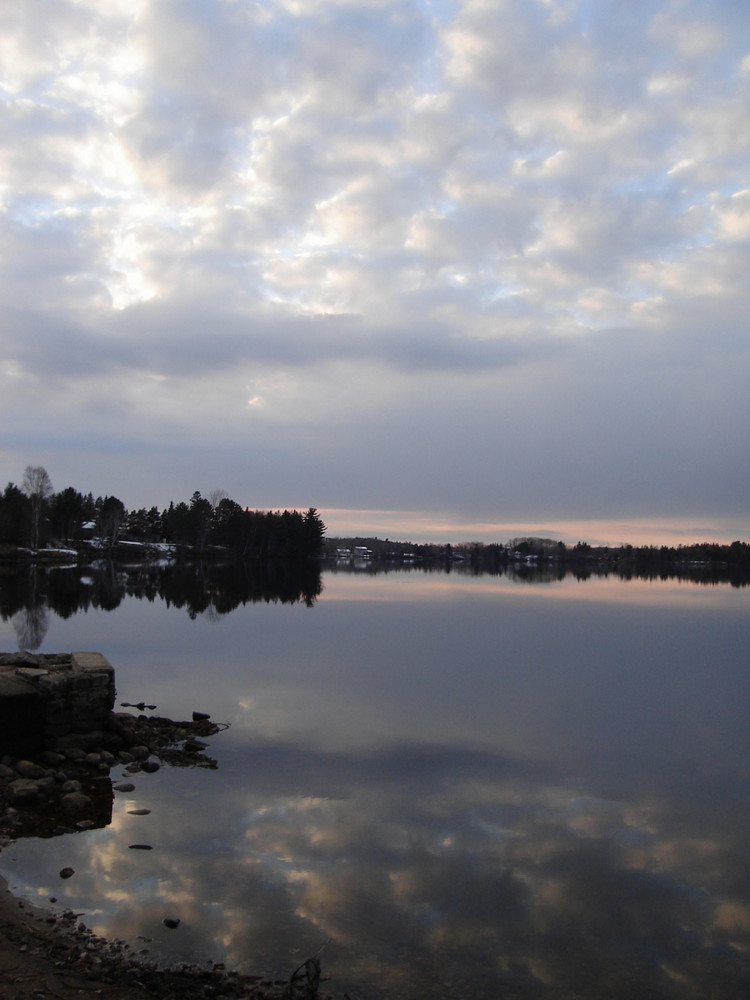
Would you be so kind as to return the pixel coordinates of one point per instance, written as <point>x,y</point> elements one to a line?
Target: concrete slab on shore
<point>44,697</point>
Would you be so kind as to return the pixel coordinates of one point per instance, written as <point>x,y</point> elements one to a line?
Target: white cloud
<point>433,223</point>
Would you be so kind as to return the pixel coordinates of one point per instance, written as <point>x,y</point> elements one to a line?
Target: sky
<point>443,270</point>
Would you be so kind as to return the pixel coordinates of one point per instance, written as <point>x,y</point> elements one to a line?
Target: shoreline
<point>50,952</point>
<point>44,953</point>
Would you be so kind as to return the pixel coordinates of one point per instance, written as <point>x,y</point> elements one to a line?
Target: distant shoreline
<point>540,559</point>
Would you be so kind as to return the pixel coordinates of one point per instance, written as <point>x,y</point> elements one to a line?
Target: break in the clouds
<point>486,260</point>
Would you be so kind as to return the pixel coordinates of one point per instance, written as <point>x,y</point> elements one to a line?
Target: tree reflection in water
<point>473,787</point>
<point>200,588</point>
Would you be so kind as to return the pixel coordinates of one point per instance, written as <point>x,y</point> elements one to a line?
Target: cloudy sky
<point>436,267</point>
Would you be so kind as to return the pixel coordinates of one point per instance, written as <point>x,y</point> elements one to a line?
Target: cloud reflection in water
<point>425,867</point>
<point>474,788</point>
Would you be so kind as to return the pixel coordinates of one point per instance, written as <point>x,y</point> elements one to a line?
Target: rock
<point>112,741</point>
<point>138,812</point>
<point>71,786</point>
<point>66,872</point>
<point>75,802</point>
<point>140,847</point>
<point>171,922</point>
<point>29,770</point>
<point>200,716</point>
<point>140,753</point>
<point>149,766</point>
<point>23,790</point>
<point>6,773</point>
<point>125,786</point>
<point>93,759</point>
<point>193,746</point>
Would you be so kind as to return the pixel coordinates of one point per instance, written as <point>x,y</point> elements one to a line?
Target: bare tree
<point>216,496</point>
<point>37,486</point>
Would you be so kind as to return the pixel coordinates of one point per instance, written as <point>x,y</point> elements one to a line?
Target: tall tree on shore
<point>37,486</point>
<point>112,516</point>
<point>313,531</point>
<point>67,513</point>
<point>15,516</point>
<point>201,511</point>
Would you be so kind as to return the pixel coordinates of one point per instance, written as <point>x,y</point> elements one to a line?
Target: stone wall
<point>45,698</point>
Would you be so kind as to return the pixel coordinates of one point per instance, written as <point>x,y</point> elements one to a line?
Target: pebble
<point>66,872</point>
<point>125,786</point>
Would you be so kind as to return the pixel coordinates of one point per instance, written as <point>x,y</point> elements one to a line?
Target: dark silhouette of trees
<point>206,526</point>
<point>67,514</point>
<point>15,516</point>
<point>201,514</point>
<point>110,520</point>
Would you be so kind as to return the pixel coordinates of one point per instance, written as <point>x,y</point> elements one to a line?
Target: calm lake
<point>472,787</point>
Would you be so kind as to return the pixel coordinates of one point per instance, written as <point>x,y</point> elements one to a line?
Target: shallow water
<point>469,786</point>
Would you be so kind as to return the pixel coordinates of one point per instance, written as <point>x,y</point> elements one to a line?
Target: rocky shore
<point>47,956</point>
<point>65,789</point>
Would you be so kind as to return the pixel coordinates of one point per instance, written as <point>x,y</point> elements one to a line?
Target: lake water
<point>469,786</point>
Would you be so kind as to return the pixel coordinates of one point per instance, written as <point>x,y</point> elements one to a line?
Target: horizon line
<point>424,528</point>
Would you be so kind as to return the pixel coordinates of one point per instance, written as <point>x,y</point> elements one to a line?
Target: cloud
<point>487,219</point>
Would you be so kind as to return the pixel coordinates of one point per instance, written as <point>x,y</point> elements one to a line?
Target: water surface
<point>470,786</point>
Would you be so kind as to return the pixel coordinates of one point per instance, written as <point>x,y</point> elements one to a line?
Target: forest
<point>33,517</point>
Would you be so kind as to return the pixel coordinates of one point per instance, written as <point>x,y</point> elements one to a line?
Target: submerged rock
<point>75,802</point>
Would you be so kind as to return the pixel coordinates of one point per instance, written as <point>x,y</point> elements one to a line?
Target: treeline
<point>35,516</point>
<point>540,559</point>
